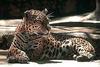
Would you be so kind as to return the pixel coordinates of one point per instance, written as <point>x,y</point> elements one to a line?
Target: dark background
<point>11,9</point>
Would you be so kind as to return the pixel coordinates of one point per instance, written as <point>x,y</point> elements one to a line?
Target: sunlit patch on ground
<point>56,63</point>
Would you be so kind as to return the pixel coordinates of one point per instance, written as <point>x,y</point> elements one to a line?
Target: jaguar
<point>33,41</point>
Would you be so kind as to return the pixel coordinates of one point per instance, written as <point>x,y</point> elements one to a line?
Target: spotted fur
<point>33,41</point>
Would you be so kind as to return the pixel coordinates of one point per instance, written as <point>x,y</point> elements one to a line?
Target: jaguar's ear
<point>45,11</point>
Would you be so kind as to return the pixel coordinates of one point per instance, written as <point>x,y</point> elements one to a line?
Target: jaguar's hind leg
<point>16,55</point>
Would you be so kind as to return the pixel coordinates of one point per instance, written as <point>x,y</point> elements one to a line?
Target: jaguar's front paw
<point>13,59</point>
<point>23,60</point>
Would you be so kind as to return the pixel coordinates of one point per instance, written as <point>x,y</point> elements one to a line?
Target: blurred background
<point>13,9</point>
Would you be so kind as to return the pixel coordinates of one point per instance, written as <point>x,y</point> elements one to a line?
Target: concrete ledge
<point>88,23</point>
<point>76,24</point>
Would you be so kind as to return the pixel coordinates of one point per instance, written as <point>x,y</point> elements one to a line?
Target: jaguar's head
<point>36,15</point>
<point>38,20</point>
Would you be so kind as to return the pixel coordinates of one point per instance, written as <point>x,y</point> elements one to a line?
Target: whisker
<point>50,15</point>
